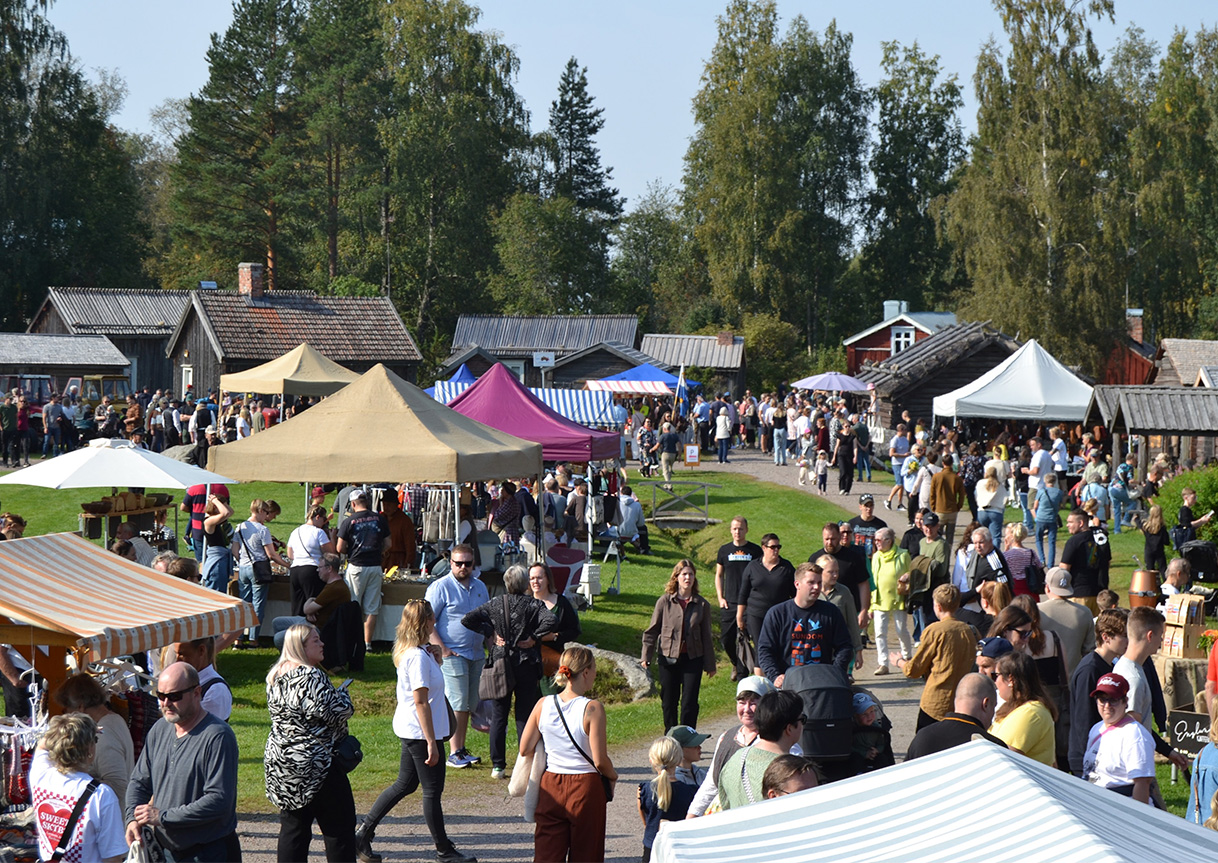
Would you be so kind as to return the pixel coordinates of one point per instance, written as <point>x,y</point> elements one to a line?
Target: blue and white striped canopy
<point>976,803</point>
<point>585,407</point>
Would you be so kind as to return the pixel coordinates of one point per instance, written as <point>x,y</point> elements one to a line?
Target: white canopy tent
<point>929,811</point>
<point>1030,385</point>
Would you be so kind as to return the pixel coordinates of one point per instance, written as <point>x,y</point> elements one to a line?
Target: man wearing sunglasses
<point>184,786</point>
<point>462,657</point>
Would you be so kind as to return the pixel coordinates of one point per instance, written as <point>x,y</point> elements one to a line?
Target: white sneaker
<point>499,773</point>
<point>881,671</point>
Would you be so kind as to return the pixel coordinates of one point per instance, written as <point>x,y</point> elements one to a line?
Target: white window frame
<point>902,338</point>
<point>188,377</point>
<point>516,367</point>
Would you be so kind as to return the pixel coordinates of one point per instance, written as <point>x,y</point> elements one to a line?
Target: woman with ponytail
<point>663,798</point>
<point>579,777</point>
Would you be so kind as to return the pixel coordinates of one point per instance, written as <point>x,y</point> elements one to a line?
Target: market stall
<point>302,371</point>
<point>1029,385</point>
<point>640,380</point>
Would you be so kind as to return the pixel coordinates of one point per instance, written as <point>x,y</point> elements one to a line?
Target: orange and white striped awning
<point>69,587</point>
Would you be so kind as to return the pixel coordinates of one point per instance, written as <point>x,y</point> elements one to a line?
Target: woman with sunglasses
<point>1014,624</point>
<point>1025,721</point>
<point>308,719</point>
<point>1120,751</point>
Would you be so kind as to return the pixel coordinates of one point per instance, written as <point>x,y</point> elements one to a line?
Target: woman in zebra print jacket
<point>308,719</point>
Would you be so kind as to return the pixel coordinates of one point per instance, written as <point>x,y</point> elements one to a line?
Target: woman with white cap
<point>748,693</point>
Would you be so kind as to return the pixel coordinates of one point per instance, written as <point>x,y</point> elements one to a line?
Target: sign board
<point>693,455</point>
<point>1188,731</point>
<point>543,359</point>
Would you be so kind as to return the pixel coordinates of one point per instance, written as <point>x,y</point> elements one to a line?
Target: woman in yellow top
<point>1025,720</point>
<point>890,571</point>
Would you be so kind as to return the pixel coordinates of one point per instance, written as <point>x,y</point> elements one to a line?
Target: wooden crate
<point>1185,609</point>
<point>1180,641</point>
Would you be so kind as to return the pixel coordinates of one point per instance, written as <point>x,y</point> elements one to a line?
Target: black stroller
<point>1202,557</point>
<point>828,706</point>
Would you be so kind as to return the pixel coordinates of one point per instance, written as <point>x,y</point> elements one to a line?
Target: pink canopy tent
<point>500,401</point>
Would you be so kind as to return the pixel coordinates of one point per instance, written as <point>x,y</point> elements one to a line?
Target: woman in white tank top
<point>572,728</point>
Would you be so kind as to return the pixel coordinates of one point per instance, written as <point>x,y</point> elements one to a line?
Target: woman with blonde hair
<point>991,496</point>
<point>579,777</point>
<point>58,779</point>
<point>1019,559</point>
<point>663,798</point>
<point>1154,550</point>
<point>422,722</point>
<point>115,757</point>
<point>308,720</point>
<point>681,625</point>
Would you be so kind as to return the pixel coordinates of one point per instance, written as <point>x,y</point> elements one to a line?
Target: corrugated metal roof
<point>119,311</point>
<point>345,329</point>
<point>637,357</point>
<point>521,335</point>
<point>39,349</point>
<point>1165,410</point>
<point>932,353</point>
<point>702,351</point>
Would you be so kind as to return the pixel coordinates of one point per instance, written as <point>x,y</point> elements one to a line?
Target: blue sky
<point>644,57</point>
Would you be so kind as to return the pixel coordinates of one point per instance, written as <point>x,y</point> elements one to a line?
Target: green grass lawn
<point>615,623</point>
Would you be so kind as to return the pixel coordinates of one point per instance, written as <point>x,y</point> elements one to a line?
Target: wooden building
<point>514,339</point>
<point>138,323</point>
<point>901,329</point>
<point>719,359</point>
<point>598,361</point>
<point>60,356</point>
<point>1178,362</point>
<point>231,331</point>
<point>954,356</point>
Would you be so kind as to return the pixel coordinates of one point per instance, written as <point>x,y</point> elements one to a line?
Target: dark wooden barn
<point>138,322</point>
<point>954,356</point>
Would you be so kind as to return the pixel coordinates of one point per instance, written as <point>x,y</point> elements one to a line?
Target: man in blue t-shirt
<point>363,536</point>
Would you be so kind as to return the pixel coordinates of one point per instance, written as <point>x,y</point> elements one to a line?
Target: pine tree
<point>237,176</point>
<point>574,124</point>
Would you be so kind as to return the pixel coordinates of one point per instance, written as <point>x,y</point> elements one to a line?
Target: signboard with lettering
<point>1189,732</point>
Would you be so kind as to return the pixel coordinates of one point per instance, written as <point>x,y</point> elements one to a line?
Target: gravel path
<point>489,825</point>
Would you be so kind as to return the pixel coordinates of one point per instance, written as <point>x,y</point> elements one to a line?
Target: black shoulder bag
<point>65,838</point>
<point>262,568</point>
<point>605,783</point>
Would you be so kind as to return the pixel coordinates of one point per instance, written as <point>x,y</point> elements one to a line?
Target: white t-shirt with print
<point>99,833</point>
<point>1119,755</point>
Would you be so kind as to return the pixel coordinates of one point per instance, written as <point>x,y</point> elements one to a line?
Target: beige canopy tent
<point>64,593</point>
<point>378,428</point>
<point>302,371</point>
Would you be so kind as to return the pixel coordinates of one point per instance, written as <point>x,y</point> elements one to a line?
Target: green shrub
<point>1205,483</point>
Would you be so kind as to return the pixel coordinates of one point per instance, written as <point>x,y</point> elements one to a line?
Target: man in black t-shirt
<point>864,525</point>
<point>851,569</point>
<point>1086,557</point>
<point>733,557</point>
<point>363,536</point>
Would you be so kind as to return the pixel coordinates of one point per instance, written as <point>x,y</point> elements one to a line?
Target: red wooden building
<point>899,330</point>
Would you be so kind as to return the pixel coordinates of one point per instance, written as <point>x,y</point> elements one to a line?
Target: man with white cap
<point>1072,622</point>
<point>748,693</point>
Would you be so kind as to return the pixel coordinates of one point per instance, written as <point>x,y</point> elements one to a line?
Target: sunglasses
<point>993,675</point>
<point>774,546</point>
<point>1026,633</point>
<point>1109,699</point>
<point>461,562</point>
<point>174,697</point>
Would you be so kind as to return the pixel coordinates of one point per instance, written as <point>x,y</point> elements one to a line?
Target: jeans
<point>780,445</point>
<point>217,567</point>
<point>51,440</point>
<point>1119,496</point>
<point>253,593</point>
<point>897,464</point>
<point>901,620</point>
<point>1046,530</point>
<point>993,520</point>
<point>413,772</point>
<point>226,848</point>
<point>680,680</point>
<point>333,808</point>
<point>864,464</point>
<point>280,627</point>
<point>526,693</point>
<point>723,444</point>
<point>1029,520</point>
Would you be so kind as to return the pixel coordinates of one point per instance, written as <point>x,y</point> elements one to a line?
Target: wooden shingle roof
<point>951,344</point>
<point>1186,357</point>
<point>521,335</point>
<point>118,311</point>
<point>345,329</point>
<point>707,352</point>
<point>71,352</point>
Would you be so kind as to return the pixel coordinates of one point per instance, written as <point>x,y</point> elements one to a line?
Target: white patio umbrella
<point>112,462</point>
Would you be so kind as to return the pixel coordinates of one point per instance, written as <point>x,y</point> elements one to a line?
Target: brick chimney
<point>250,279</point>
<point>1133,323</point>
<point>725,339</point>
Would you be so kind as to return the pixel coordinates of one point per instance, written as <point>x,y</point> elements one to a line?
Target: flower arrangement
<point>1206,641</point>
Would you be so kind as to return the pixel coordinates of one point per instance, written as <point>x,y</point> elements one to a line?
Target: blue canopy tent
<point>635,379</point>
<point>461,376</point>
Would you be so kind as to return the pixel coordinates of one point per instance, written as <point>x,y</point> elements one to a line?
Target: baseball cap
<point>865,498</point>
<point>863,702</point>
<point>1060,582</point>
<point>318,491</point>
<point>994,647</point>
<point>755,684</point>
<point>1111,684</point>
<point>930,519</point>
<point>210,430</point>
<point>359,494</point>
<point>686,736</point>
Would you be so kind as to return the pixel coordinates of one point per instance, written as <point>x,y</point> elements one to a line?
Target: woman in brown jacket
<point>681,623</point>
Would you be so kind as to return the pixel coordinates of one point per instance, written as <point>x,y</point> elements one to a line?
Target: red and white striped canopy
<point>65,584</point>
<point>633,387</point>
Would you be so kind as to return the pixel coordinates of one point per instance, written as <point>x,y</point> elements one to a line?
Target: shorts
<point>365,585</point>
<point>461,677</point>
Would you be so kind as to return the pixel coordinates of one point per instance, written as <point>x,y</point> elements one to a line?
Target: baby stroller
<point>1202,559</point>
<point>828,706</point>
